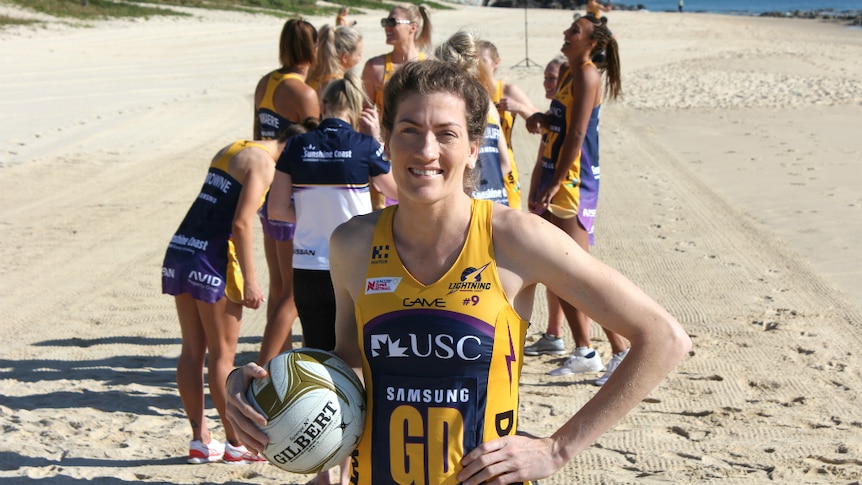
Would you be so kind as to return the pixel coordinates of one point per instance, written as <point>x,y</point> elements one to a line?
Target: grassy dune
<point>94,10</point>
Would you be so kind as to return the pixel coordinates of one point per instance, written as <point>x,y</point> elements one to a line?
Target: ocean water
<point>750,7</point>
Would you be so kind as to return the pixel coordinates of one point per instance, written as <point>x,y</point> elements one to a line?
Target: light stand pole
<point>526,61</point>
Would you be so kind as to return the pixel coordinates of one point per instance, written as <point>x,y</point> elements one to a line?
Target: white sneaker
<point>612,366</point>
<point>578,364</point>
<point>205,453</point>
<point>239,455</point>
<point>546,344</point>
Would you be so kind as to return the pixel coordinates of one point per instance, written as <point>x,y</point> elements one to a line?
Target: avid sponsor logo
<point>471,280</point>
<point>386,284</point>
<point>440,346</point>
<point>204,278</point>
<point>380,254</point>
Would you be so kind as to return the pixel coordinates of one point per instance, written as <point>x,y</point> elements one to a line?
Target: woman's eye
<point>446,136</point>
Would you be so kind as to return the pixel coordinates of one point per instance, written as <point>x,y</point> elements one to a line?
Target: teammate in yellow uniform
<point>510,102</point>
<point>408,31</point>
<point>281,99</point>
<point>595,8</point>
<point>493,168</point>
<point>430,299</point>
<point>209,269</point>
<point>339,49</point>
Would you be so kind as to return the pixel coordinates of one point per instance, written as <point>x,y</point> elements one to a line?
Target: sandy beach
<point>731,175</point>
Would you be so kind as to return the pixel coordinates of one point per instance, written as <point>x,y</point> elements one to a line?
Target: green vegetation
<point>93,9</point>
<point>7,20</point>
<point>105,9</point>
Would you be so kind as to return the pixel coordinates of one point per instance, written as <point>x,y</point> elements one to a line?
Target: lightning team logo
<point>471,280</point>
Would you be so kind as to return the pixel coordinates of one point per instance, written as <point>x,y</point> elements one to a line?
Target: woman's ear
<point>474,155</point>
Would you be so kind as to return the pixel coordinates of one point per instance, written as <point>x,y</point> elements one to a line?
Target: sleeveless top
<point>579,194</point>
<point>200,259</point>
<point>490,184</point>
<point>507,123</point>
<point>270,121</point>
<point>388,71</point>
<point>441,361</point>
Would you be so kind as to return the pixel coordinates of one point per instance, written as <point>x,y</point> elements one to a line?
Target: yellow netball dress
<point>201,259</point>
<point>507,123</point>
<point>270,121</point>
<point>579,193</point>
<point>441,361</point>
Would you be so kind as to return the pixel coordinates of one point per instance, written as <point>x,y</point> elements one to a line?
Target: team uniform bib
<point>441,361</point>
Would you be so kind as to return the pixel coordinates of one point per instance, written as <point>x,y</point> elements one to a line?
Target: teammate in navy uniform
<point>443,283</point>
<point>209,268</point>
<point>565,185</point>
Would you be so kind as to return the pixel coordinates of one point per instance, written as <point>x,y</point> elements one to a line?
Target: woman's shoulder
<point>376,62</point>
<point>354,236</point>
<point>513,224</point>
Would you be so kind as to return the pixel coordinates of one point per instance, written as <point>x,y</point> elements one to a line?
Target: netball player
<point>209,268</point>
<point>283,98</point>
<point>565,187</point>
<point>431,296</point>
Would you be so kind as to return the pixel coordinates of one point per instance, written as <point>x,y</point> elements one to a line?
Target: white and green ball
<point>315,407</point>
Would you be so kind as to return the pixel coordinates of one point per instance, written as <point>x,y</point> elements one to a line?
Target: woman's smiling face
<point>577,39</point>
<point>429,146</point>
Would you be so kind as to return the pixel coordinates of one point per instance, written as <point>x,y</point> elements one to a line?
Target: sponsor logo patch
<point>386,284</point>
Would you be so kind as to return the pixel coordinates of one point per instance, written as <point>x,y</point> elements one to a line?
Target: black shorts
<point>315,302</point>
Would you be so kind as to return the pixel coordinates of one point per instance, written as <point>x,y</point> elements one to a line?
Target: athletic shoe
<point>578,364</point>
<point>205,453</point>
<point>612,366</point>
<point>547,344</point>
<point>239,455</point>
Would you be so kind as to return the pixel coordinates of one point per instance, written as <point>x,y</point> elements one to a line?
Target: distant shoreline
<point>851,17</point>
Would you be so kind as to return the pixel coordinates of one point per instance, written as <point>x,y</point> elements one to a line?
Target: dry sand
<point>731,193</point>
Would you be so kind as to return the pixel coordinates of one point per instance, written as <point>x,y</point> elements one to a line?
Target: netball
<point>315,407</point>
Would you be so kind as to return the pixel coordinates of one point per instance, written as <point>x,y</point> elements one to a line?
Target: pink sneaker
<point>239,455</point>
<point>205,453</point>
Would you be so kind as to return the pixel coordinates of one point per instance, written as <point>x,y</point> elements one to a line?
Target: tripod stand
<point>526,61</point>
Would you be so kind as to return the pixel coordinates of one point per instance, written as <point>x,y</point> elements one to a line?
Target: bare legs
<point>213,328</point>
<point>281,309</point>
<point>579,323</point>
<point>555,315</point>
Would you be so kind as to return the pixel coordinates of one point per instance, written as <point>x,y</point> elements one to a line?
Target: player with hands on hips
<point>441,267</point>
